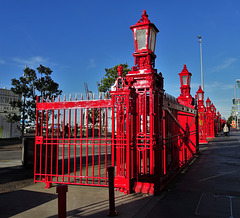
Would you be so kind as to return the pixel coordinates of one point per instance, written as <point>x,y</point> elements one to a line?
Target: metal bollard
<point>62,190</point>
<point>112,211</point>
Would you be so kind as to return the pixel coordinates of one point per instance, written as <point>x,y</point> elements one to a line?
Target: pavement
<point>208,187</point>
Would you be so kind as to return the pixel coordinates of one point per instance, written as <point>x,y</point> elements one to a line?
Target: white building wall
<point>8,130</point>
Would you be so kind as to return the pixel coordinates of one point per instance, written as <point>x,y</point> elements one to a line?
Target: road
<point>10,154</point>
<point>210,187</point>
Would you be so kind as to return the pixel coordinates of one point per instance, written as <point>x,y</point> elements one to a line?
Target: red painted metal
<point>73,142</point>
<point>62,200</point>
<point>209,120</point>
<point>146,134</point>
<point>201,116</point>
<point>185,97</point>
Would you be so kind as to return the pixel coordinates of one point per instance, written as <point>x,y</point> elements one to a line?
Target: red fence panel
<point>180,141</point>
<point>74,143</point>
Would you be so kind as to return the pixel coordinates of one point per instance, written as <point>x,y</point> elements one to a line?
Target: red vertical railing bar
<point>127,170</point>
<point>52,141</point>
<point>36,134</point>
<point>99,148</point>
<point>75,146</point>
<point>106,147</point>
<point>151,161</point>
<point>42,119</point>
<point>132,149</point>
<point>164,142</point>
<point>87,143</point>
<point>69,140</point>
<point>93,142</point>
<point>124,140</point>
<point>144,132</point>
<point>63,143</point>
<point>58,128</point>
<point>113,135</point>
<point>46,145</point>
<point>81,141</point>
<point>40,166</point>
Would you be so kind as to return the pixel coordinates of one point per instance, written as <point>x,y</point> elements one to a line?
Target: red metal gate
<point>74,142</point>
<point>77,140</point>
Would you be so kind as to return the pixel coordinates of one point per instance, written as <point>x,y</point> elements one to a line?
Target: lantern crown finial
<point>185,67</point>
<point>144,18</point>
<point>120,70</point>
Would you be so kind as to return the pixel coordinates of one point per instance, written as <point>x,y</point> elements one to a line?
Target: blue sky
<point>78,39</point>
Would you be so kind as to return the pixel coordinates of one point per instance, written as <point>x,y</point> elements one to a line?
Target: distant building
<point>8,129</point>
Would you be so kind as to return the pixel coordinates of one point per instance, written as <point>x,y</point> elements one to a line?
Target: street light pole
<point>200,41</point>
<point>236,107</point>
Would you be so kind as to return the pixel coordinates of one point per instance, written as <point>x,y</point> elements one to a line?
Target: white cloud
<point>91,63</point>
<point>31,62</point>
<point>217,85</point>
<point>226,63</point>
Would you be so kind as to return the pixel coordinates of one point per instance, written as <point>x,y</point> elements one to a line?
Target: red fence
<point>145,134</point>
<point>74,142</point>
<point>77,140</point>
<point>179,135</point>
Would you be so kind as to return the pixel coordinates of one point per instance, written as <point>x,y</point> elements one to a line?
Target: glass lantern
<point>144,35</point>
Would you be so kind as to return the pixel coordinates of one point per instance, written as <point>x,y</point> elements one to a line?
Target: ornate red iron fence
<point>74,141</point>
<point>141,131</point>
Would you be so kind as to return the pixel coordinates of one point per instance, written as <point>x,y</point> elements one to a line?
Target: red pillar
<point>201,116</point>
<point>209,120</point>
<point>148,85</point>
<point>62,208</point>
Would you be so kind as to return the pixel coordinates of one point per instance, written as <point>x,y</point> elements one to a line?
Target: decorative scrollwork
<point>120,102</point>
<point>120,83</point>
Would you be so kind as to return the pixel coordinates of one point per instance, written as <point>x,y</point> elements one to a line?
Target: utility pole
<point>200,41</point>
<point>236,106</point>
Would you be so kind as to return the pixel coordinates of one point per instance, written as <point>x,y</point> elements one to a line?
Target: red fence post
<point>202,116</point>
<point>112,211</point>
<point>62,208</point>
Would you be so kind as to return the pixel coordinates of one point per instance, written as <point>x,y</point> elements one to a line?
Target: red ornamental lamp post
<point>208,103</point>
<point>202,116</point>
<point>209,119</point>
<point>144,35</point>
<point>219,121</point>
<point>215,120</point>
<point>148,85</point>
<point>185,97</point>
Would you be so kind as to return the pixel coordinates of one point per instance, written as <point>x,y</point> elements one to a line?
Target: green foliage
<point>111,76</point>
<point>229,121</point>
<point>29,86</point>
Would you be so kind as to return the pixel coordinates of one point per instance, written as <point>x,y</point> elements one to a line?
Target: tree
<point>29,86</point>
<point>229,121</point>
<point>111,76</point>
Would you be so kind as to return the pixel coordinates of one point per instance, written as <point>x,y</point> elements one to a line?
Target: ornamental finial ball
<point>120,70</point>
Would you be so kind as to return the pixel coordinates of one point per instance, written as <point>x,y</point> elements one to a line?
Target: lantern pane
<point>184,80</point>
<point>208,104</point>
<point>189,80</point>
<point>153,40</point>
<point>141,39</point>
<point>200,96</point>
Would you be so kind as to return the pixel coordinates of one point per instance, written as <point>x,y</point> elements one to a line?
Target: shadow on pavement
<point>132,205</point>
<point>19,201</point>
<point>12,178</point>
